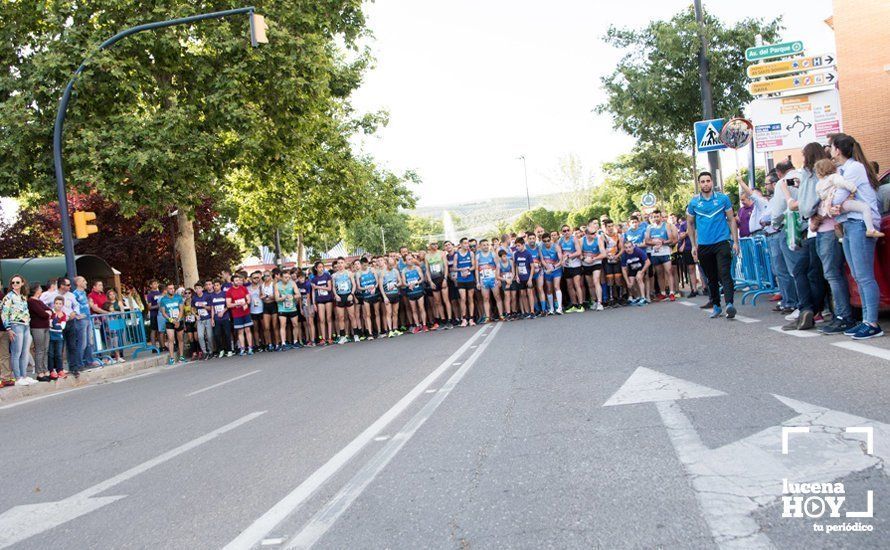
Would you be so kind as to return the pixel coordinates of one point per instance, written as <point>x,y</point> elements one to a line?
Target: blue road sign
<point>707,135</point>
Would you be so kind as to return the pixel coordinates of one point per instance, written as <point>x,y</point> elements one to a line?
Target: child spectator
<point>829,182</point>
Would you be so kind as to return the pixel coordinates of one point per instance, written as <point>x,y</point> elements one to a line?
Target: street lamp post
<point>257,36</point>
<point>528,200</point>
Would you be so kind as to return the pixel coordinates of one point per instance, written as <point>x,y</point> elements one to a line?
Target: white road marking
<point>646,385</point>
<point>797,333</point>
<point>263,525</point>
<point>381,438</point>
<point>687,303</point>
<point>44,396</point>
<point>456,363</point>
<point>734,482</point>
<point>127,379</point>
<point>224,382</point>
<point>431,391</point>
<point>272,542</point>
<point>322,521</point>
<point>22,522</point>
<point>864,348</point>
<point>744,319</point>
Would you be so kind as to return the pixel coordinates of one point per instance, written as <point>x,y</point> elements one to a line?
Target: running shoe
<point>435,326</point>
<point>599,306</point>
<point>231,353</point>
<point>672,297</point>
<point>54,375</point>
<point>356,338</point>
<point>463,323</point>
<point>693,294</point>
<point>707,305</point>
<point>867,332</point>
<point>426,328</point>
<point>730,311</point>
<point>716,312</point>
<point>793,316</point>
<point>472,323</point>
<point>415,330</point>
<point>241,352</point>
<point>483,320</point>
<point>854,329</point>
<point>171,361</point>
<point>249,351</point>
<point>182,359</point>
<point>342,340</point>
<point>63,374</point>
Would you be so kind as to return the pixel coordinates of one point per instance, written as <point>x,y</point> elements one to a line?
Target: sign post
<point>792,122</point>
<point>793,84</point>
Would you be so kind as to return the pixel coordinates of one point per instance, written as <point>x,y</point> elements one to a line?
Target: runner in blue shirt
<point>170,320</point>
<point>465,268</point>
<point>552,258</point>
<point>634,263</point>
<point>660,236</point>
<point>711,226</point>
<point>526,268</point>
<point>487,280</point>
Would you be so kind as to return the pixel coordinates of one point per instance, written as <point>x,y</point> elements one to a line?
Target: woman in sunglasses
<point>17,320</point>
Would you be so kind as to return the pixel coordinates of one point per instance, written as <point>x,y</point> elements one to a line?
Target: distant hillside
<point>488,213</point>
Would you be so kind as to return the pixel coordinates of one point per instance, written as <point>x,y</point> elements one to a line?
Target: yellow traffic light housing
<point>83,229</point>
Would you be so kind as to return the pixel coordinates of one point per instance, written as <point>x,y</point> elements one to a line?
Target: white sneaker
<point>599,306</point>
<point>793,316</point>
<point>30,380</point>
<point>356,338</point>
<point>23,382</point>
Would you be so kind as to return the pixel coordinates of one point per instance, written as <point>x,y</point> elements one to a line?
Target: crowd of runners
<point>517,276</point>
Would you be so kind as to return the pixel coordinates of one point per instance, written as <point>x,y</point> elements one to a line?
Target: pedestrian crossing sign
<point>707,135</point>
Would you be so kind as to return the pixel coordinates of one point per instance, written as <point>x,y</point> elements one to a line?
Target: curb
<point>88,377</point>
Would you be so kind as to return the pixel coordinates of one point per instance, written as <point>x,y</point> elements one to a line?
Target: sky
<point>472,85</point>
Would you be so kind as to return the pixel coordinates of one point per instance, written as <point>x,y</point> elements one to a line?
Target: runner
<point>201,303</point>
<point>390,285</point>
<point>369,284</point>
<point>570,245</point>
<point>526,268</point>
<point>711,233</point>
<point>322,290</point>
<point>487,281</point>
<point>287,297</point>
<point>660,236</point>
<point>238,302</point>
<point>270,311</point>
<point>506,274</point>
<point>684,248</point>
<point>190,321</point>
<point>551,257</point>
<point>636,233</point>
<point>453,294</point>
<point>612,242</point>
<point>539,302</point>
<point>413,278</point>
<point>437,272</point>
<point>221,320</point>
<point>256,306</point>
<point>170,322</point>
<point>592,255</point>
<point>307,306</point>
<point>344,288</point>
<point>151,299</point>
<point>465,266</point>
<point>634,264</point>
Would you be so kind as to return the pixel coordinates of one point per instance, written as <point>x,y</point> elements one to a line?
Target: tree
<point>132,245</point>
<point>161,120</point>
<point>653,93</point>
<point>548,219</point>
<point>397,228</point>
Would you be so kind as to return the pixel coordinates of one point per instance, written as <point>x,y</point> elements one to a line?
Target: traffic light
<point>83,229</point>
<point>258,28</point>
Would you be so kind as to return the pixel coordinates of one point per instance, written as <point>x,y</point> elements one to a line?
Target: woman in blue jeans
<point>859,250</point>
<point>17,319</point>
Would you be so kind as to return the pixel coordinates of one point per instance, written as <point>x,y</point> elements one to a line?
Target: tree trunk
<point>185,247</point>
<point>300,250</point>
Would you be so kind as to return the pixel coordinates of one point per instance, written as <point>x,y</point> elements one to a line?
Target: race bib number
<point>219,309</point>
<point>190,318</point>
<point>289,302</point>
<point>343,287</point>
<point>464,272</point>
<point>240,302</point>
<point>588,257</point>
<point>488,273</point>
<point>523,270</point>
<point>391,286</point>
<point>508,276</point>
<point>322,293</point>
<point>436,269</point>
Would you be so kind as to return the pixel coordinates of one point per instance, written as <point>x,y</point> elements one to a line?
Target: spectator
<point>40,313</point>
<point>113,305</point>
<point>70,308</point>
<point>859,250</point>
<point>83,323</point>
<point>772,221</point>
<point>58,321</point>
<point>6,376</point>
<point>16,319</point>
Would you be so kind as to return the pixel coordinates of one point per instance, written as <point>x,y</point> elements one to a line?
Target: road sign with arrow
<point>798,83</point>
<point>769,51</point>
<point>795,65</point>
<point>707,135</point>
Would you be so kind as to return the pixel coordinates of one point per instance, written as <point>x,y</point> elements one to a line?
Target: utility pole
<point>528,200</point>
<point>707,101</point>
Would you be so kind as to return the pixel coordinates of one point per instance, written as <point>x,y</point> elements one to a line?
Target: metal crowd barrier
<point>120,331</point>
<point>753,269</point>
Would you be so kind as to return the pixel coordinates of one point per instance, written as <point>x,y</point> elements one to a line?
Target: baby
<point>829,182</point>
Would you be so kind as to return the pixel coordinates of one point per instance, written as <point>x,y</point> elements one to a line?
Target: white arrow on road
<point>22,522</point>
<point>734,481</point>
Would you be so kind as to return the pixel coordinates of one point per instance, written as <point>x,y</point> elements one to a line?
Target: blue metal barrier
<point>120,331</point>
<point>753,269</point>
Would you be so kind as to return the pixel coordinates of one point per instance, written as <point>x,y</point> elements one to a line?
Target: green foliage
<point>171,117</point>
<point>398,229</point>
<point>654,92</point>
<point>548,219</point>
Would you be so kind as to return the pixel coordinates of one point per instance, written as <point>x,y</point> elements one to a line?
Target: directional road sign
<point>648,200</point>
<point>707,135</point>
<point>795,65</point>
<point>793,83</point>
<point>792,122</point>
<point>769,51</point>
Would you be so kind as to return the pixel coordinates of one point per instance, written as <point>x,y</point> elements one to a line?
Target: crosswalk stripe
<point>797,333</point>
<point>874,351</point>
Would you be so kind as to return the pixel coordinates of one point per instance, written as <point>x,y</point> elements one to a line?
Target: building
<point>862,36</point>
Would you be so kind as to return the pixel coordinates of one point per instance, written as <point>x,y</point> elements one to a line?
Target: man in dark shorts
<point>238,302</point>
<point>634,265</point>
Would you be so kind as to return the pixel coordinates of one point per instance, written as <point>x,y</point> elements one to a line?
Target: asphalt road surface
<point>630,428</point>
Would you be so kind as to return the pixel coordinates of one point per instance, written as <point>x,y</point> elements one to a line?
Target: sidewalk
<point>87,377</point>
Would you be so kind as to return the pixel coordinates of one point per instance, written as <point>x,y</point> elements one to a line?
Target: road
<point>630,428</point>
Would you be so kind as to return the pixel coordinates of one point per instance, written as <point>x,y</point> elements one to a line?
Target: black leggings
<point>716,262</point>
<point>222,333</point>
